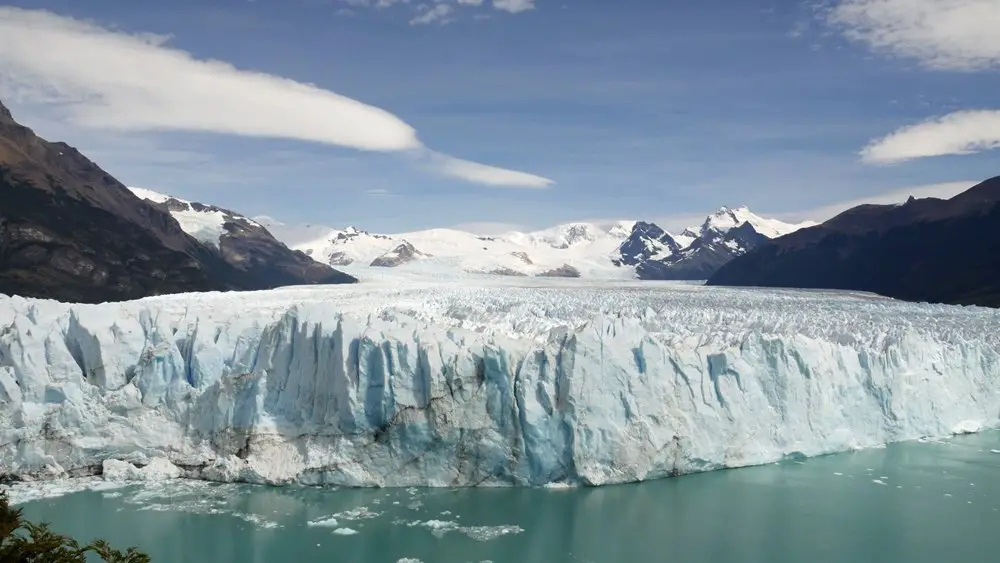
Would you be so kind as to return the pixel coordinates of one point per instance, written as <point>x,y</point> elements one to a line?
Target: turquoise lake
<point>915,502</point>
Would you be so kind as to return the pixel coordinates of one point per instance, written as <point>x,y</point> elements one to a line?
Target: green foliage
<point>25,542</point>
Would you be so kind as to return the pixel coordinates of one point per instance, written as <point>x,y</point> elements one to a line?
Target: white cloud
<point>491,229</point>
<point>436,14</point>
<point>483,174</point>
<point>443,11</point>
<point>514,6</point>
<point>111,80</point>
<point>943,34</point>
<point>963,132</point>
<point>125,82</point>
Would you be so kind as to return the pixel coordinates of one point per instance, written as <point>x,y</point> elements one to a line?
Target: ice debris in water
<point>31,491</point>
<point>323,523</point>
<point>440,528</point>
<point>359,513</point>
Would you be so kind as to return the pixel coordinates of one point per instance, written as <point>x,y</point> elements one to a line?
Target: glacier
<point>492,382</point>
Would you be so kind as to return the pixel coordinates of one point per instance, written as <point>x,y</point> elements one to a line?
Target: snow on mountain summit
<point>150,195</point>
<point>205,224</point>
<point>242,242</point>
<point>585,247</point>
<point>608,251</point>
<point>618,250</point>
<point>727,218</point>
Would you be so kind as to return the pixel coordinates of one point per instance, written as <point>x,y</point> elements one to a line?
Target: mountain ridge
<point>72,232</point>
<point>936,250</point>
<point>244,243</point>
<point>625,249</point>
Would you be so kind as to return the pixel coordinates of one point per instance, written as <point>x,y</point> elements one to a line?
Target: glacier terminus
<point>489,382</point>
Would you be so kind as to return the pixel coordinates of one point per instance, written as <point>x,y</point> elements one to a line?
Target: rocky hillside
<point>935,250</point>
<point>70,231</point>
<point>244,243</point>
<point>697,253</point>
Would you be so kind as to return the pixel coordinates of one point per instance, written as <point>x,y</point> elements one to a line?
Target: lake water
<point>916,502</point>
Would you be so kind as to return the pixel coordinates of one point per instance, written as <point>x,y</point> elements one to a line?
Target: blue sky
<point>660,110</point>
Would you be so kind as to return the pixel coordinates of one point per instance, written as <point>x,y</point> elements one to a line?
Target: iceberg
<point>525,383</point>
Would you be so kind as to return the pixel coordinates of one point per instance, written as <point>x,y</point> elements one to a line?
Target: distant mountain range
<point>70,231</point>
<point>944,251</point>
<point>627,249</point>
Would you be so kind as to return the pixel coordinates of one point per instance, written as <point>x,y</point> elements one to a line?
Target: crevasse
<point>451,385</point>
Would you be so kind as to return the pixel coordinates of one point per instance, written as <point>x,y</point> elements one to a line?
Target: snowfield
<point>488,382</point>
<point>593,251</point>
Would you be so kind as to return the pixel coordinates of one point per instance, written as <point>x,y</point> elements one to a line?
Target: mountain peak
<point>5,114</point>
<point>622,229</point>
<point>727,218</point>
<point>150,195</point>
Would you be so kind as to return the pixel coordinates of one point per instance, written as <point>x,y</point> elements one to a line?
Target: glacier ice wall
<point>450,385</point>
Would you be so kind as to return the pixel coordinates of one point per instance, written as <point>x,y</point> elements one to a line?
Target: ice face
<point>521,382</point>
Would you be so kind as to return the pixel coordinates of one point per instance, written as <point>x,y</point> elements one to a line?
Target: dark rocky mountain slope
<point>245,244</point>
<point>697,253</point>
<point>70,231</point>
<point>943,251</point>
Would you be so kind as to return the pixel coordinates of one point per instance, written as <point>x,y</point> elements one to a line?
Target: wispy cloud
<point>482,174</point>
<point>439,13</point>
<point>111,80</point>
<point>514,6</point>
<point>963,132</point>
<point>955,35</point>
<point>445,11</point>
<point>942,34</point>
<point>491,229</point>
<point>379,192</point>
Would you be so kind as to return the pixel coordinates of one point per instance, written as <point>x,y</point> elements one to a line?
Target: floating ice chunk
<point>440,528</point>
<point>257,520</point>
<point>30,491</point>
<point>323,523</point>
<point>359,513</point>
<point>967,427</point>
<point>158,469</point>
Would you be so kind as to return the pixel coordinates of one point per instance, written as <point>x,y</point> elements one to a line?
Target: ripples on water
<point>937,501</point>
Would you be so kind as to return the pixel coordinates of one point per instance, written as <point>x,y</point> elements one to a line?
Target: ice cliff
<point>529,384</point>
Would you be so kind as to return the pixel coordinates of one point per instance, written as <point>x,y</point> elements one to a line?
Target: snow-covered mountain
<point>725,235</point>
<point>585,248</point>
<point>625,250</point>
<point>938,250</point>
<point>480,382</point>
<point>243,242</point>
